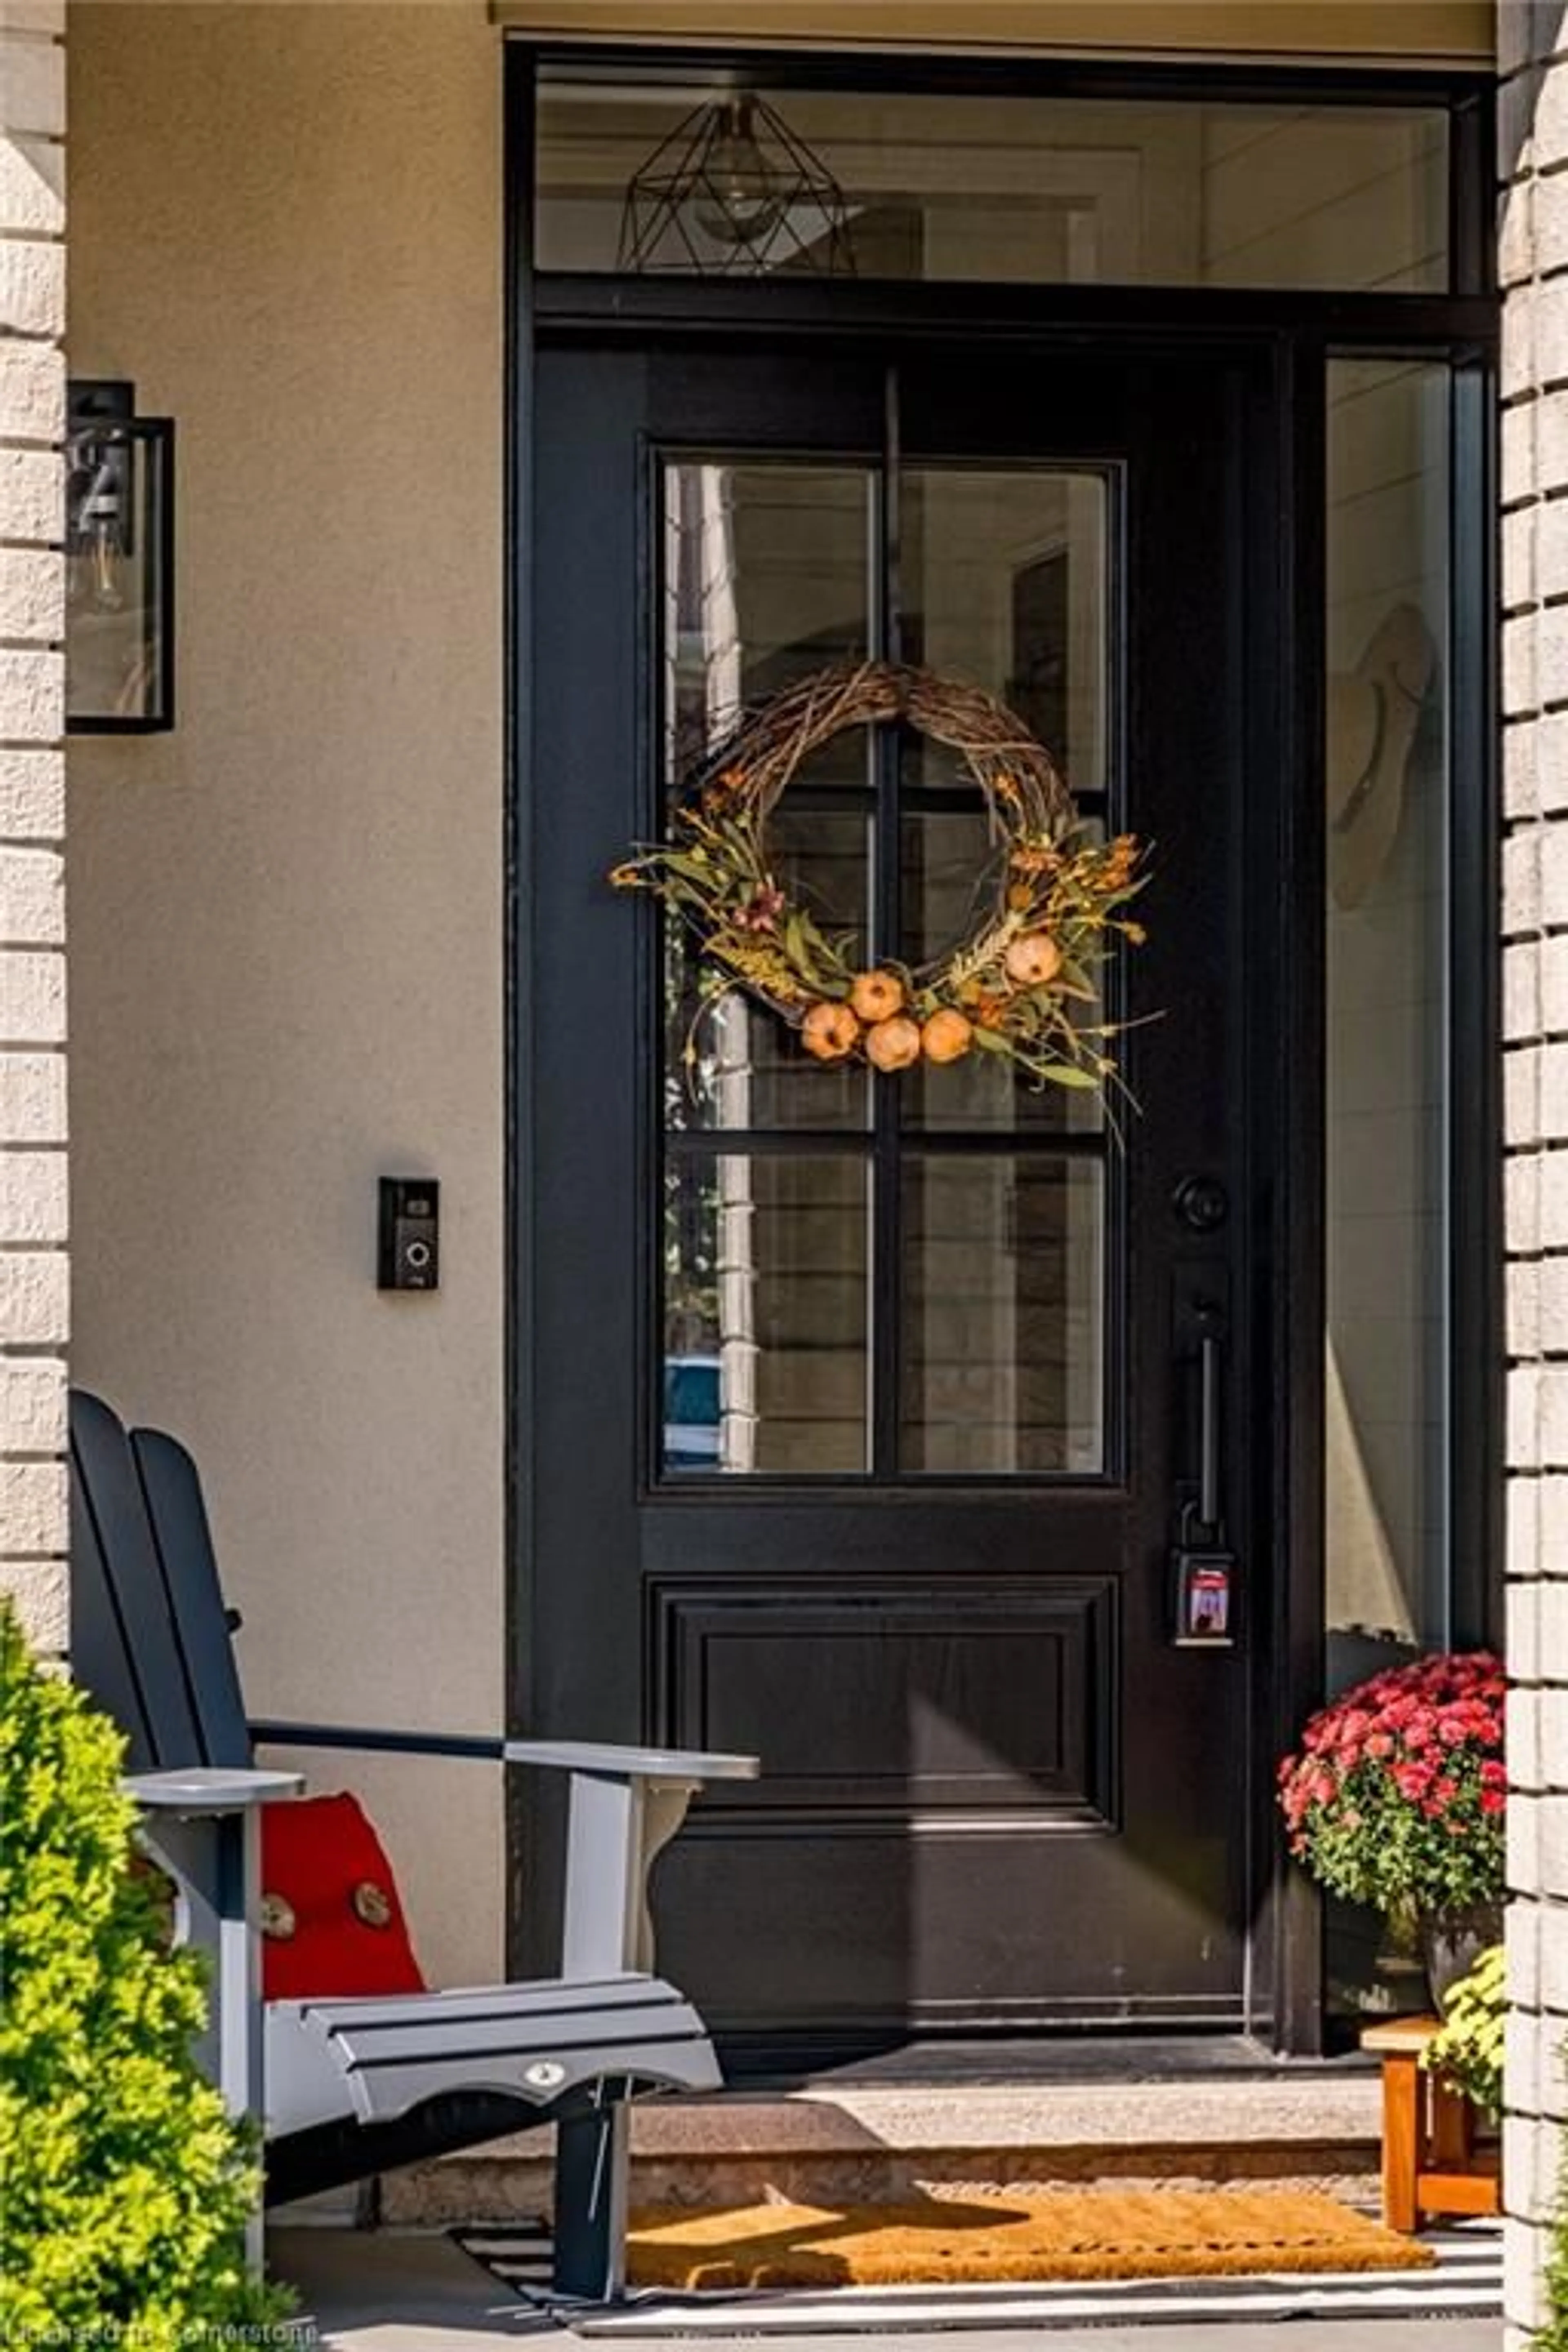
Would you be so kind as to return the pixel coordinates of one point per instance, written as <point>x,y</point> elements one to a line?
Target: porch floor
<point>404,2293</point>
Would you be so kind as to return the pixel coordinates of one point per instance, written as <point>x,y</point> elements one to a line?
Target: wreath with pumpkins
<point>1023,984</point>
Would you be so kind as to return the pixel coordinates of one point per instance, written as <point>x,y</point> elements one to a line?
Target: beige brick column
<point>33,1264</point>
<point>1533,164</point>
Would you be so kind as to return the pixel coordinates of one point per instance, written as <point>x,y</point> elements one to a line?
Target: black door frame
<point>1295,334</point>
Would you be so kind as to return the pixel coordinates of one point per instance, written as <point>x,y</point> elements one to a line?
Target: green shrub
<point>1553,2336</point>
<point>123,2184</point>
<point>1468,2051</point>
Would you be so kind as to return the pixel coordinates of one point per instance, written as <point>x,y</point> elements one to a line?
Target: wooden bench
<point>1429,2160</point>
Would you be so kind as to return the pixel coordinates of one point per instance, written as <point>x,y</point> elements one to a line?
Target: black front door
<point>860,1412</point>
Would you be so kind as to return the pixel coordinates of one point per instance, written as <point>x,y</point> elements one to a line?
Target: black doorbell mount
<point>408,1242</point>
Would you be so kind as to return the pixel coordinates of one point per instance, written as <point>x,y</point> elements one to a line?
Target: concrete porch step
<point>864,2143</point>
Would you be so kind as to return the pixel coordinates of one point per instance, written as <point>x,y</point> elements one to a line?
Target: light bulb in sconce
<point>738,198</point>
<point>97,501</point>
<point>733,190</point>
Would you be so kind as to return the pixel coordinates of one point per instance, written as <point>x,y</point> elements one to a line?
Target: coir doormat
<point>1063,2234</point>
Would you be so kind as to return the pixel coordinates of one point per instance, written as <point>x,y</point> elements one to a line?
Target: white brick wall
<point>34,1293</point>
<point>1533,251</point>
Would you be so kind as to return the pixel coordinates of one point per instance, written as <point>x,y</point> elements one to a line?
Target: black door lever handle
<point>1204,1568</point>
<point>1209,1502</point>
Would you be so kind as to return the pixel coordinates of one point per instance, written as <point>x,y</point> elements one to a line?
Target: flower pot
<point>1453,1942</point>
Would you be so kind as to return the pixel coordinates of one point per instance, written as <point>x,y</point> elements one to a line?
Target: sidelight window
<point>1388,813</point>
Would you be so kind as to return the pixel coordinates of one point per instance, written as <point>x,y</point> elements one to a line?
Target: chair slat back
<point>172,1487</point>
<point>125,1647</point>
<point>101,1652</point>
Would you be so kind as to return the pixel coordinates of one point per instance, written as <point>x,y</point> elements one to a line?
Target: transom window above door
<point>869,1275</point>
<point>682,173</point>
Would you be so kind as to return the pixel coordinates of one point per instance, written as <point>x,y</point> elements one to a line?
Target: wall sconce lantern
<point>120,563</point>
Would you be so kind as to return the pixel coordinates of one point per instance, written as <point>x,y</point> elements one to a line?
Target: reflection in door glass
<point>764,1313</point>
<point>1387,793</point>
<point>1173,192</point>
<point>949,869</point>
<point>1002,1322</point>
<point>732,1063</point>
<point>1006,576</point>
<point>1005,579</point>
<point>766,577</point>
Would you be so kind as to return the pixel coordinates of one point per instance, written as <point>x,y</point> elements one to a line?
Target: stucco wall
<point>287,966</point>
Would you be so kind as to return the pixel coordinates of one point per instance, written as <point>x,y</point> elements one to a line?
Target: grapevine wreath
<point>1010,988</point>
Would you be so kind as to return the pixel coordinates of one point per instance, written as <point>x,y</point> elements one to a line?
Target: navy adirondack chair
<point>349,2087</point>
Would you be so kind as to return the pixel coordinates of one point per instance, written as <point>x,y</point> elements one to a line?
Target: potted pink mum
<point>1395,1799</point>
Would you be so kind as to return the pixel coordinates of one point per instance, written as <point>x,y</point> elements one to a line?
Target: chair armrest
<point>206,1791</point>
<point>606,1762</point>
<point>561,1755</point>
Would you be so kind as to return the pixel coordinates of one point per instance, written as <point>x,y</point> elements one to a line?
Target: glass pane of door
<point>859,1277</point>
<point>1005,580</point>
<point>731,1062</point>
<point>765,1314</point>
<point>1003,1287</point>
<point>768,575</point>
<point>951,869</point>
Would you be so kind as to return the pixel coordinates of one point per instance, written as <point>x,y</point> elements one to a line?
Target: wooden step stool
<point>1429,2162</point>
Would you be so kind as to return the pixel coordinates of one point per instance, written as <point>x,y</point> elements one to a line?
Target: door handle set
<point>1208,1423</point>
<point>1204,1568</point>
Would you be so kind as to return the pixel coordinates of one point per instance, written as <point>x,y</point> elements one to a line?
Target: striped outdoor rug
<point>1465,2284</point>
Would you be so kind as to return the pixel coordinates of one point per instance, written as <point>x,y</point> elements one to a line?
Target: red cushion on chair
<point>331,1918</point>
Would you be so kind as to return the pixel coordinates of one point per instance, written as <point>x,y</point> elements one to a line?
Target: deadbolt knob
<point>1202,1204</point>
